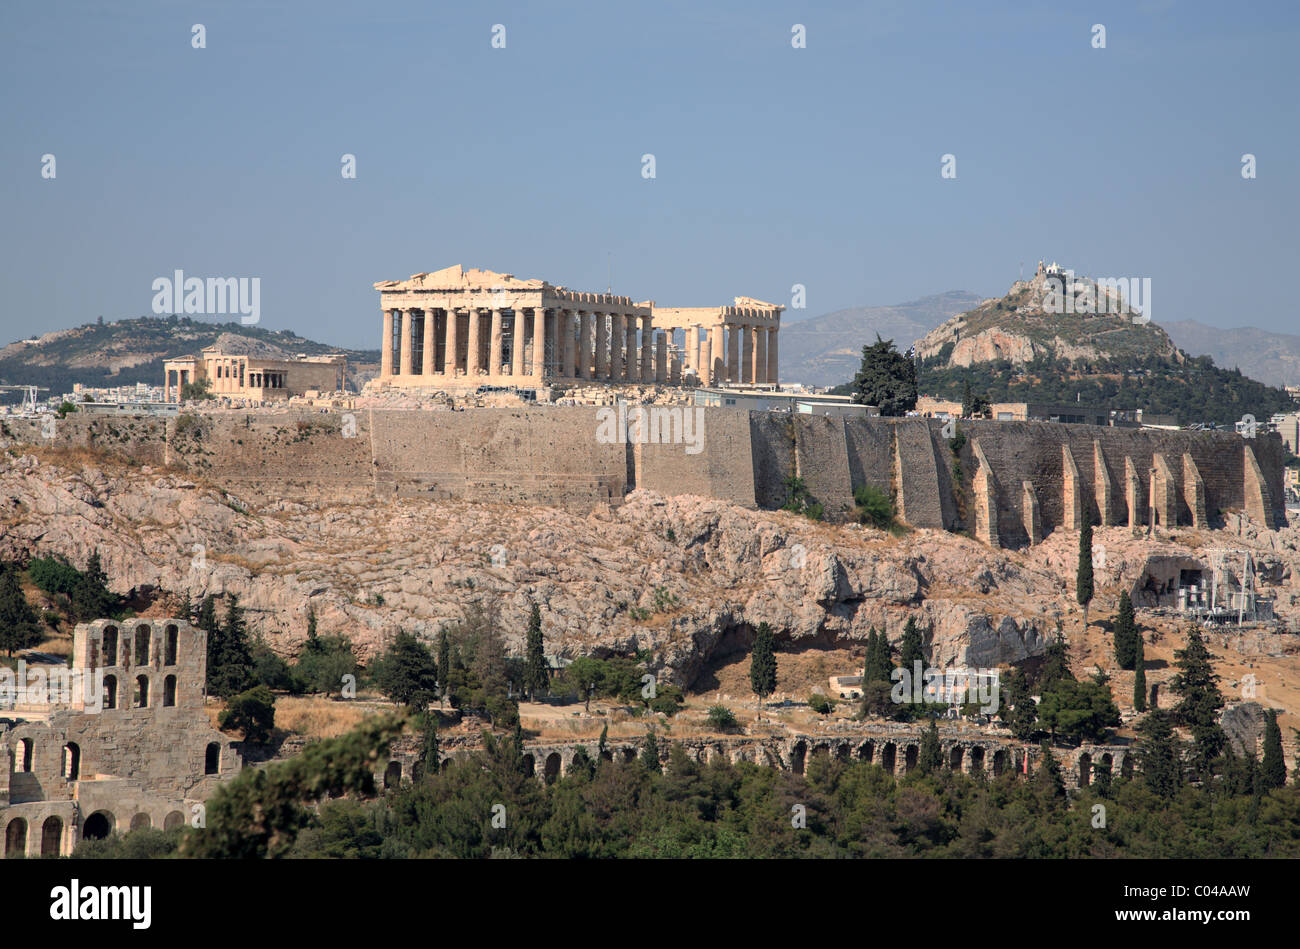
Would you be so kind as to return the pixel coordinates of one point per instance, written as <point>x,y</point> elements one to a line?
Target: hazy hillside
<point>827,349</point>
<point>1020,348</point>
<point>1261,354</point>
<point>127,351</point>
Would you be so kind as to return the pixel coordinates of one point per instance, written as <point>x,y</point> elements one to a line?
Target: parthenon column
<point>733,353</point>
<point>747,360</point>
<point>539,342</point>
<point>617,332</point>
<point>406,343</point>
<point>474,346</point>
<point>760,354</point>
<point>602,346</point>
<point>449,356</point>
<point>564,323</point>
<point>584,345</point>
<point>386,351</point>
<point>773,371</point>
<point>517,343</point>
<point>630,361</point>
<point>495,340</point>
<point>661,357</point>
<point>706,353</point>
<point>426,360</point>
<point>647,354</point>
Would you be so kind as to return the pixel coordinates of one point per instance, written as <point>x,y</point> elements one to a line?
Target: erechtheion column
<point>539,342</point>
<point>405,356</point>
<point>517,344</point>
<point>495,340</point>
<point>386,351</point>
<point>773,371</point>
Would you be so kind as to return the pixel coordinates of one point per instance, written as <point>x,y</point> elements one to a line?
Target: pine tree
<point>930,758</point>
<point>91,598</point>
<point>762,664</point>
<point>535,679</point>
<point>1140,678</point>
<point>19,626</point>
<point>1056,663</point>
<point>1273,769</point>
<point>1083,578</point>
<point>311,623</point>
<point>207,621</point>
<point>1196,682</point>
<point>407,672</point>
<point>1125,634</point>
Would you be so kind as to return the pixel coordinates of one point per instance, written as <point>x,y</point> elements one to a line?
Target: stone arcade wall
<point>1019,480</point>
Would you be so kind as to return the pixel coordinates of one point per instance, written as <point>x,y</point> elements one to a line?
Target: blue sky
<point>774,166</point>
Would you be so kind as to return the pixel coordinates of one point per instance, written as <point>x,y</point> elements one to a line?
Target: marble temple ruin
<point>462,328</point>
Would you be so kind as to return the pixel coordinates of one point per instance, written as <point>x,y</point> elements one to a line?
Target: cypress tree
<point>1140,678</point>
<point>1083,578</point>
<point>650,753</point>
<point>1162,767</point>
<point>535,679</point>
<point>443,665</point>
<point>1125,633</point>
<point>930,758</point>
<point>232,671</point>
<point>1273,769</point>
<point>910,649</point>
<point>762,664</point>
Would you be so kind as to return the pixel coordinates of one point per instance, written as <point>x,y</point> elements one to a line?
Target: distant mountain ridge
<point>1265,355</point>
<point>826,350</point>
<point>123,352</point>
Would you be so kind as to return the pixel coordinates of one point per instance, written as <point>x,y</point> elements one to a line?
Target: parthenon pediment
<point>751,302</point>
<point>457,277</point>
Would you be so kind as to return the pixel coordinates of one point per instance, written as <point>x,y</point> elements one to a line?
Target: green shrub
<point>820,703</point>
<point>251,712</point>
<point>875,507</point>
<point>721,718</point>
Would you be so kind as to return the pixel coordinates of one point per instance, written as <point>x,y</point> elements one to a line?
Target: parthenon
<point>460,328</point>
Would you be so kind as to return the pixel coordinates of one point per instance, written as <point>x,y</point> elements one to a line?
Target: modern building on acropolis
<point>460,328</point>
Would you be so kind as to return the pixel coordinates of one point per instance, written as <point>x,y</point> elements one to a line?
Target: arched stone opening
<point>110,691</point>
<point>25,754</point>
<point>1085,770</point>
<point>141,691</point>
<point>110,646</point>
<point>98,826</point>
<point>16,838</point>
<point>955,757</point>
<point>797,756</point>
<point>977,760</point>
<point>169,647</point>
<point>552,770</point>
<point>169,691</point>
<point>212,758</point>
<point>910,757</point>
<point>889,757</point>
<point>52,837</point>
<point>1000,762</point>
<point>1126,767</point>
<point>842,752</point>
<point>141,821</point>
<point>392,775</point>
<point>143,635</point>
<point>530,766</point>
<point>72,761</point>
<point>867,751</point>
<point>173,820</point>
<point>629,754</point>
